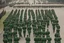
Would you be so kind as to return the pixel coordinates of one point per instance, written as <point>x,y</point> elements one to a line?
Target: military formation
<point>21,21</point>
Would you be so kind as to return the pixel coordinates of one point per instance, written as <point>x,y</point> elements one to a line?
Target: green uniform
<point>57,40</point>
<point>43,33</point>
<point>20,31</point>
<point>36,39</point>
<point>5,40</point>
<point>5,35</point>
<point>15,28</point>
<point>16,39</point>
<point>58,27</point>
<point>11,25</point>
<point>10,39</point>
<point>24,31</point>
<point>39,27</point>
<point>10,34</point>
<point>47,32</point>
<point>14,33</point>
<point>53,25</point>
<point>27,39</point>
<point>58,30</point>
<point>29,31</point>
<point>49,39</point>
<point>43,40</point>
<point>57,34</point>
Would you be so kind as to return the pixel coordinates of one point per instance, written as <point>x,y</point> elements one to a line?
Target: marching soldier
<point>20,31</point>
<point>43,40</point>
<point>47,32</point>
<point>57,39</point>
<point>49,39</point>
<point>27,39</point>
<point>16,39</point>
<point>53,25</point>
<point>29,30</point>
<point>24,30</point>
<point>36,39</point>
<point>5,40</point>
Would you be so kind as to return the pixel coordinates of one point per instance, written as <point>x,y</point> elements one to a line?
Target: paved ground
<point>59,13</point>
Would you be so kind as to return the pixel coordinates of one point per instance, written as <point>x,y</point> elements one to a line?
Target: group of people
<point>38,22</point>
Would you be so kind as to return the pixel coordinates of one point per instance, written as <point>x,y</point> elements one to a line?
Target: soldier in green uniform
<point>29,30</point>
<point>39,33</point>
<point>9,39</point>
<point>39,27</point>
<point>27,39</point>
<point>24,30</point>
<point>5,35</point>
<point>43,28</point>
<point>43,33</point>
<point>5,29</point>
<point>58,31</point>
<point>11,25</point>
<point>36,39</point>
<point>58,26</point>
<point>53,25</point>
<point>49,39</point>
<point>47,32</point>
<point>15,28</point>
<point>20,31</point>
<point>47,22</point>
<point>43,39</point>
<point>36,33</point>
<point>14,33</point>
<point>34,29</point>
<point>57,34</point>
<point>16,39</point>
<point>58,39</point>
<point>5,40</point>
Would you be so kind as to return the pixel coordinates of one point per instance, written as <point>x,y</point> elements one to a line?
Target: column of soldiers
<point>15,24</point>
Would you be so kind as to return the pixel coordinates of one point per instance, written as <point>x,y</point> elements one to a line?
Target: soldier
<point>39,33</point>
<point>58,30</point>
<point>47,22</point>
<point>16,39</point>
<point>39,27</point>
<point>57,34</point>
<point>27,39</point>
<point>15,28</point>
<point>9,33</point>
<point>5,35</point>
<point>58,27</point>
<point>47,32</point>
<point>43,40</point>
<point>53,25</point>
<point>56,21</point>
<point>43,28</point>
<point>20,31</point>
<point>14,33</point>
<point>43,33</point>
<point>11,26</point>
<point>29,30</point>
<point>49,39</point>
<point>58,39</point>
<point>34,29</point>
<point>36,39</point>
<point>5,40</point>
<point>24,30</point>
<point>9,39</point>
<point>36,33</point>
